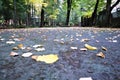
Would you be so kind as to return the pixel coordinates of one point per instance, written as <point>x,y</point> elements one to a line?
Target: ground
<point>73,64</point>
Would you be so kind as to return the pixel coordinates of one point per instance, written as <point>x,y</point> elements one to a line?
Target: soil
<point>73,64</point>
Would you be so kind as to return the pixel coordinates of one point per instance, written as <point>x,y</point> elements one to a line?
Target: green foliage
<point>54,9</point>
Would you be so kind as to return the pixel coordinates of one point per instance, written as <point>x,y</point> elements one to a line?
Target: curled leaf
<point>103,48</point>
<point>83,49</point>
<point>90,47</point>
<point>100,54</point>
<point>49,59</point>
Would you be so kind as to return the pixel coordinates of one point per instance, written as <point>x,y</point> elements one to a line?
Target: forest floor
<point>73,63</point>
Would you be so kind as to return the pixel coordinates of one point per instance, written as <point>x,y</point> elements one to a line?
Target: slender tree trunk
<point>108,13</point>
<point>14,16</point>
<point>69,3</point>
<point>42,17</point>
<point>28,15</point>
<point>94,14</point>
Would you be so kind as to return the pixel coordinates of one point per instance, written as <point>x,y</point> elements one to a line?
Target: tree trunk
<point>94,14</point>
<point>108,13</point>
<point>28,14</point>
<point>14,16</point>
<point>42,17</point>
<point>69,3</point>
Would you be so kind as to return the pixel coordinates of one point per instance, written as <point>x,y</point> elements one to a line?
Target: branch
<point>117,2</point>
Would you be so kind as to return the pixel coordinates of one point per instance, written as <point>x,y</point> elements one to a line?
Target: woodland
<point>42,13</point>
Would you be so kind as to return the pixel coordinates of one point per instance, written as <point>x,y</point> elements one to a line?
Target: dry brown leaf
<point>13,54</point>
<point>15,48</point>
<point>100,54</point>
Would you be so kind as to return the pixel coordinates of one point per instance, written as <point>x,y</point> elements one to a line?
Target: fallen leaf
<point>20,46</point>
<point>114,41</point>
<point>85,40</point>
<point>38,46</point>
<point>34,57</point>
<point>10,42</point>
<point>16,39</point>
<point>2,39</point>
<point>49,59</point>
<point>28,54</point>
<point>103,48</point>
<point>74,48</point>
<point>100,54</point>
<point>13,54</point>
<point>40,49</point>
<point>21,39</point>
<point>28,48</point>
<point>15,48</point>
<point>90,47</point>
<point>86,78</point>
<point>56,40</point>
<point>97,41</point>
<point>78,34</point>
<point>83,49</point>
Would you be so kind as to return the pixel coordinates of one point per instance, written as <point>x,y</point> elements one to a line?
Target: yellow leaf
<point>90,47</point>
<point>45,4</point>
<point>20,46</point>
<point>49,59</point>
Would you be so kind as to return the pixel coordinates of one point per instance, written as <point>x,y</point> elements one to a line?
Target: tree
<point>42,17</point>
<point>7,9</point>
<point>94,14</point>
<point>108,13</point>
<point>14,14</point>
<point>69,4</point>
